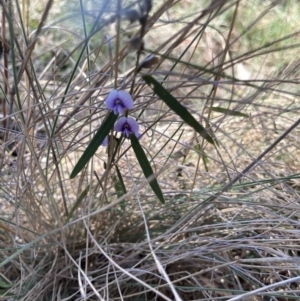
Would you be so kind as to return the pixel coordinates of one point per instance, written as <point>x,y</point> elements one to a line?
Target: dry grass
<point>230,227</point>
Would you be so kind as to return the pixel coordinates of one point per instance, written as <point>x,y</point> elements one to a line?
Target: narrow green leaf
<point>4,284</point>
<point>229,112</point>
<point>177,107</point>
<point>202,153</point>
<point>78,202</point>
<point>4,292</point>
<point>146,167</point>
<point>120,187</point>
<point>120,178</point>
<point>102,132</point>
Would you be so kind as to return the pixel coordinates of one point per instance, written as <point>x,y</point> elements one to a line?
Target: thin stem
<point>119,7</point>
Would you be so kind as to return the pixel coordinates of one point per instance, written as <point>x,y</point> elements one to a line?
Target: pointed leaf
<point>177,107</point>
<point>120,187</point>
<point>102,132</point>
<point>229,112</point>
<point>198,148</point>
<point>146,167</point>
<point>120,178</point>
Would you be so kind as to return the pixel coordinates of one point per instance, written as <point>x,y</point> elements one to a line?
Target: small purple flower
<point>127,125</point>
<point>118,101</point>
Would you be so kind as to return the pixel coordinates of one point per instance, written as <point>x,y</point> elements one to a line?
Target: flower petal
<point>126,132</point>
<point>134,126</point>
<point>110,100</point>
<point>119,125</point>
<point>105,142</point>
<point>120,109</point>
<point>126,99</point>
<point>127,125</point>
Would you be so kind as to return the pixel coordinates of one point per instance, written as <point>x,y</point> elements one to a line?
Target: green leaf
<point>120,187</point>
<point>120,178</point>
<point>202,153</point>
<point>78,202</point>
<point>177,107</point>
<point>4,284</point>
<point>6,294</point>
<point>103,131</point>
<point>146,167</point>
<point>229,112</point>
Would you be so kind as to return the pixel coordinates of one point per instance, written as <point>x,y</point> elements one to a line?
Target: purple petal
<point>120,109</point>
<point>127,126</point>
<point>126,99</point>
<point>126,133</point>
<point>110,100</point>
<point>105,142</point>
<point>134,126</point>
<point>119,125</point>
<point>116,110</point>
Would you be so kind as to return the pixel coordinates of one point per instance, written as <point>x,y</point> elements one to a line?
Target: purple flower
<point>127,125</point>
<point>118,101</point>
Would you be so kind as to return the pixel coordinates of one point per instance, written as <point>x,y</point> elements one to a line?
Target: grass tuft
<point>229,225</point>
